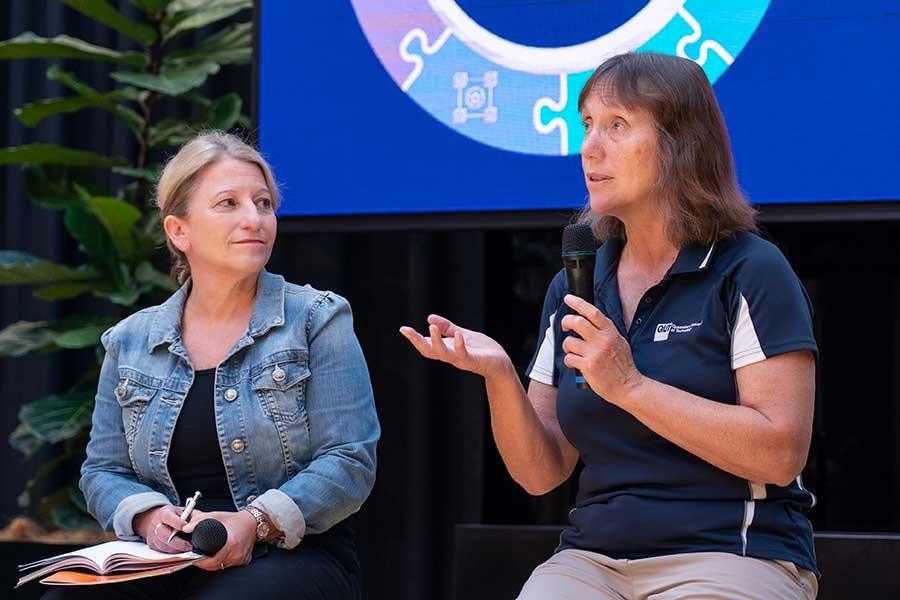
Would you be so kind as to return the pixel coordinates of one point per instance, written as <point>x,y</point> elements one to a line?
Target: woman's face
<point>619,157</point>
<point>231,225</point>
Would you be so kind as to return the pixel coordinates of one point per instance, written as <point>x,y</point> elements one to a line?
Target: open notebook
<point>107,563</point>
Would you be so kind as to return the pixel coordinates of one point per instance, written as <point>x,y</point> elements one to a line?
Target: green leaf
<point>55,73</point>
<point>102,12</point>
<point>58,417</point>
<point>50,185</point>
<point>68,516</point>
<point>151,7</point>
<point>57,155</point>
<point>23,337</point>
<point>171,132</point>
<point>197,98</point>
<point>193,14</point>
<point>223,113</point>
<point>231,46</point>
<point>77,499</point>
<point>106,101</point>
<point>85,337</point>
<point>148,175</point>
<point>124,297</point>
<point>24,441</point>
<point>64,291</point>
<point>29,45</point>
<point>17,268</point>
<point>172,81</point>
<point>117,216</point>
<point>145,273</point>
<point>95,241</point>
<point>35,112</point>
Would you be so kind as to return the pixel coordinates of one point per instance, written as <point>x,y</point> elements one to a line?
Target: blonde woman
<point>249,389</point>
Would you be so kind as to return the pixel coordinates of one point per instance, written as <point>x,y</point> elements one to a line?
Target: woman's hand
<point>464,349</point>
<point>157,524</point>
<point>601,354</point>
<point>238,548</point>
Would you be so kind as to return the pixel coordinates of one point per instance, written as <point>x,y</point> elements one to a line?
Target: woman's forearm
<point>738,439</point>
<point>527,434</point>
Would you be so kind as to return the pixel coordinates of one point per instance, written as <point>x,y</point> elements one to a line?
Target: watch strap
<point>262,527</point>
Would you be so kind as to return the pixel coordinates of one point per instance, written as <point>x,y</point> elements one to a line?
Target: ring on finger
<point>222,565</point>
<point>156,529</point>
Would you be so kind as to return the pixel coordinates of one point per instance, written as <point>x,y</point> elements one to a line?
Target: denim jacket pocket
<point>280,384</point>
<point>134,392</point>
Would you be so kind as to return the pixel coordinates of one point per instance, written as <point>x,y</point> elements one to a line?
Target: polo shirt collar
<point>268,311</point>
<point>607,260</point>
<point>690,259</point>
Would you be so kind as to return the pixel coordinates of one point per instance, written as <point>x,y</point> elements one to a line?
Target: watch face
<point>262,530</point>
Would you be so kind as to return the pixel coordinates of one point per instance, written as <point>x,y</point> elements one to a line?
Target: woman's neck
<point>647,246</point>
<point>215,298</point>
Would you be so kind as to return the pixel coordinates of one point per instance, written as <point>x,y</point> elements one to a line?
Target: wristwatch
<point>262,526</point>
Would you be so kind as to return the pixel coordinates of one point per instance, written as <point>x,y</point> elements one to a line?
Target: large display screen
<point>438,106</point>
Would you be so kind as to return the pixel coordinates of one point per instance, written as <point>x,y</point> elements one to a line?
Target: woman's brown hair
<point>697,185</point>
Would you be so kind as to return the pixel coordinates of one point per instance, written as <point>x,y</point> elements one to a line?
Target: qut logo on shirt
<point>664,329</point>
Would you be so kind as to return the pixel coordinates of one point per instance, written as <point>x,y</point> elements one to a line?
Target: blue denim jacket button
<point>237,445</point>
<point>278,374</point>
<point>121,391</point>
<point>230,394</point>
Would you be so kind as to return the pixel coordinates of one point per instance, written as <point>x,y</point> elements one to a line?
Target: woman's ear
<point>177,232</point>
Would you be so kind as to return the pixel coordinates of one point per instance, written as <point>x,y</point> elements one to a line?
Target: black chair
<point>491,562</point>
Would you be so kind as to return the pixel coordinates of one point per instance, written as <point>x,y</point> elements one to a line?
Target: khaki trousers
<point>583,575</point>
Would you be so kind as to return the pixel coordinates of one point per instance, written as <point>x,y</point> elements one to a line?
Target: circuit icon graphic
<point>523,98</point>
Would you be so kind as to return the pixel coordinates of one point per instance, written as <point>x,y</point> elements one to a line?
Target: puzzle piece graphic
<point>523,99</point>
<point>562,114</point>
<point>477,97</point>
<point>685,35</point>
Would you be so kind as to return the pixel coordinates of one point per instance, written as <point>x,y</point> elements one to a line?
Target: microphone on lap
<point>208,537</point>
<point>579,254</point>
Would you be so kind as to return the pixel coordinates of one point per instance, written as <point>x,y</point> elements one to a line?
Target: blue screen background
<point>812,104</point>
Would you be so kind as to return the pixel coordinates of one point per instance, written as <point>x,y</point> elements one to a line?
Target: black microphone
<point>208,537</point>
<point>579,254</point>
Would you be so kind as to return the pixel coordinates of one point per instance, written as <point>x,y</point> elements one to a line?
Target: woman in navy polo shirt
<point>700,358</point>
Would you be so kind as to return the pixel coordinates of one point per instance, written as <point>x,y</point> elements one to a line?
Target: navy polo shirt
<point>717,309</point>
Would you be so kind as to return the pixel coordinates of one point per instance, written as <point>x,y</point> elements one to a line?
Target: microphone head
<point>578,239</point>
<point>209,536</point>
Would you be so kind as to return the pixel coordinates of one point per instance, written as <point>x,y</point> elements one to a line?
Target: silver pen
<point>188,509</point>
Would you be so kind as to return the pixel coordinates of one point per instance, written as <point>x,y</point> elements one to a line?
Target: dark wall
<point>437,462</point>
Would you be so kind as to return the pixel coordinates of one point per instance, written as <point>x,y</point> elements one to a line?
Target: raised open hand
<point>463,348</point>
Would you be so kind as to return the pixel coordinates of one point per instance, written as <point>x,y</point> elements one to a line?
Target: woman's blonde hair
<point>180,177</point>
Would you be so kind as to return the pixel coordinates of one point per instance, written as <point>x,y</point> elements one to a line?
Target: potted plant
<point>121,252</point>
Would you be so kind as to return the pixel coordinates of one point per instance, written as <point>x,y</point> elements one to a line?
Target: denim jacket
<point>294,413</point>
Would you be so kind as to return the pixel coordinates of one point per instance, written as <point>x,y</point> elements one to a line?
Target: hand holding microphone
<point>601,357</point>
<point>579,254</point>
<point>208,536</point>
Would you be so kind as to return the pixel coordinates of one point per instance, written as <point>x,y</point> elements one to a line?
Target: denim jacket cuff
<point>285,514</point>
<point>133,505</point>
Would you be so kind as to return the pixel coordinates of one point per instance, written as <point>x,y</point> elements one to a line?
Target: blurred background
<point>406,206</point>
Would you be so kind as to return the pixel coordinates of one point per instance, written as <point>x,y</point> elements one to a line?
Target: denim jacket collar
<point>268,311</point>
